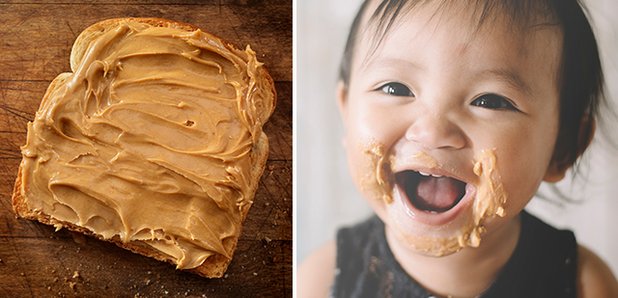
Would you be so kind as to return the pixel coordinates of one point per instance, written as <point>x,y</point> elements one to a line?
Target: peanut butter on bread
<point>154,141</point>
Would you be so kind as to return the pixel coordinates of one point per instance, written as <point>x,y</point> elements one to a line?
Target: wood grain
<point>35,261</point>
<point>44,33</point>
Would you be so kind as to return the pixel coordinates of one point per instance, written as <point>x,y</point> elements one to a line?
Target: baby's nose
<point>436,131</point>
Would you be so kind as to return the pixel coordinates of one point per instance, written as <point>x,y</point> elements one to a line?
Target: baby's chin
<point>426,246</point>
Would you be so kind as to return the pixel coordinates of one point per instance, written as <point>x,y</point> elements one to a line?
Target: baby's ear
<point>342,100</point>
<point>558,167</point>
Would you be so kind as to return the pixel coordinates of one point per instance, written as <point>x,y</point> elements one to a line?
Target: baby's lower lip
<point>435,218</point>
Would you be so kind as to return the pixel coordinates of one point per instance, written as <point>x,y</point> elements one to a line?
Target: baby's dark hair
<point>580,74</point>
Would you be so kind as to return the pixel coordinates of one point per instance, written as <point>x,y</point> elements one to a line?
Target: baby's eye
<point>396,89</point>
<point>494,102</point>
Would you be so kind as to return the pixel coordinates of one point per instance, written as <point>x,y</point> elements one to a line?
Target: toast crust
<point>213,266</point>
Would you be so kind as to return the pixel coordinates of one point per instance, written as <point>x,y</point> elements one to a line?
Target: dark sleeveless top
<point>542,265</point>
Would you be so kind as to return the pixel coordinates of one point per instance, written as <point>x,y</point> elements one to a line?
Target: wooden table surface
<point>35,42</point>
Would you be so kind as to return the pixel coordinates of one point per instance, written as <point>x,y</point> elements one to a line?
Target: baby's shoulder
<point>594,277</point>
<point>344,256</point>
<point>317,272</point>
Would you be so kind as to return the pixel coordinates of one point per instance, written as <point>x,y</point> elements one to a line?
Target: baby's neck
<point>467,273</point>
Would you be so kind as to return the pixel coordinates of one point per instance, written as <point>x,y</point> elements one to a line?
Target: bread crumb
<point>255,274</point>
<point>268,240</point>
<point>76,274</point>
<point>72,285</point>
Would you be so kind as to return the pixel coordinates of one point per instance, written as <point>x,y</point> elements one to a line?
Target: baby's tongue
<point>439,194</point>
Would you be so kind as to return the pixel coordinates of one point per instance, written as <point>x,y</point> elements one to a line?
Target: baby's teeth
<point>427,174</point>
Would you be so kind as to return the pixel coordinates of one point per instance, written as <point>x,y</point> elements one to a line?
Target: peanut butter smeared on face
<point>489,201</point>
<point>150,140</point>
<point>379,178</point>
<point>490,194</point>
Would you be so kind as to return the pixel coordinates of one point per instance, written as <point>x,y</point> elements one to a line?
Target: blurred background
<point>327,199</point>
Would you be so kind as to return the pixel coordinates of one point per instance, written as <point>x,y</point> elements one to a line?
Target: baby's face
<point>436,97</point>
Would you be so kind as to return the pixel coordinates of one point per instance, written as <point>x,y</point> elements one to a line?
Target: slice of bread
<point>154,142</point>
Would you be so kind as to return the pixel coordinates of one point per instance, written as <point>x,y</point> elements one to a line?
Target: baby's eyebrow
<point>508,76</point>
<point>387,62</point>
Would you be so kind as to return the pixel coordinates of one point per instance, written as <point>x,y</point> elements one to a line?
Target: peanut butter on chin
<point>467,229</point>
<point>151,140</point>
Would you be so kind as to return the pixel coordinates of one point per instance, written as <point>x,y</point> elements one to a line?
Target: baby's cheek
<point>521,178</point>
<point>370,170</point>
<point>378,124</point>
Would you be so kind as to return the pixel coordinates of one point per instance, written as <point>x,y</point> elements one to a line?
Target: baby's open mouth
<point>431,193</point>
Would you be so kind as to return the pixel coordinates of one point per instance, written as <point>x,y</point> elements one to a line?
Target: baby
<point>455,112</point>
